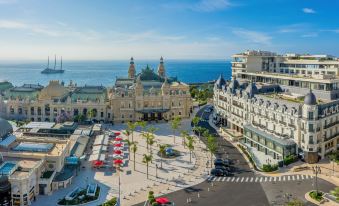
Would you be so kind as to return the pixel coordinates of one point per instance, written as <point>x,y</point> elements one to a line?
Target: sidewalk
<point>326,166</point>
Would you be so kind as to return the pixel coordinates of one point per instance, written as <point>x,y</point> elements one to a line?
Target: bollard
<point>212,184</point>
<point>198,195</point>
<point>208,189</point>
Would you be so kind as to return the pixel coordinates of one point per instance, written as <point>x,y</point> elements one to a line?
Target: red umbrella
<point>117,152</point>
<point>117,133</point>
<point>118,145</point>
<point>98,163</point>
<point>162,200</point>
<point>118,161</point>
<point>118,139</point>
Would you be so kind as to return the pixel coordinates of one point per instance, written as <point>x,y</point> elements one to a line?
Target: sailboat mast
<point>48,62</point>
<point>54,61</point>
<point>61,63</point>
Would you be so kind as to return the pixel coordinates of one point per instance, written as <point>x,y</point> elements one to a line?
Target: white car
<point>118,156</point>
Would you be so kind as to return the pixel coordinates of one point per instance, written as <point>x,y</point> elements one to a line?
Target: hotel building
<point>148,96</point>
<point>37,159</point>
<point>280,105</point>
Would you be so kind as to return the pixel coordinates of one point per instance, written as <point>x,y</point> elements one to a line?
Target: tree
<point>211,146</point>
<point>91,113</point>
<point>190,145</point>
<point>162,150</point>
<point>146,160</point>
<point>175,124</point>
<point>196,121</point>
<point>141,124</point>
<point>129,144</point>
<point>335,192</point>
<point>131,128</point>
<point>199,130</point>
<point>127,133</point>
<point>134,150</point>
<point>184,134</point>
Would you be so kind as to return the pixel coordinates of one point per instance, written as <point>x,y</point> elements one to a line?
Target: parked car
<point>226,170</point>
<point>222,162</point>
<point>217,172</point>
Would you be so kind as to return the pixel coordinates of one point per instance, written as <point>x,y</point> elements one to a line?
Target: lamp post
<point>316,171</point>
<point>156,170</point>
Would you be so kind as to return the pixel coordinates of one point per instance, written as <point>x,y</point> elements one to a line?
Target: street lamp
<point>156,170</point>
<point>316,171</point>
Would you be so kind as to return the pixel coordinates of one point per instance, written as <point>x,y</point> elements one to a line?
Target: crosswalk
<point>260,178</point>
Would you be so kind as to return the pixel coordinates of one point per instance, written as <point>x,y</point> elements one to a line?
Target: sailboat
<point>54,70</point>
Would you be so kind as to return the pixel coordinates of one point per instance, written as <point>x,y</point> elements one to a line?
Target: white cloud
<point>9,24</point>
<point>253,36</point>
<point>292,28</point>
<point>308,11</point>
<point>310,35</point>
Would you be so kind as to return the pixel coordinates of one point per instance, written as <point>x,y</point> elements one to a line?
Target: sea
<point>105,72</point>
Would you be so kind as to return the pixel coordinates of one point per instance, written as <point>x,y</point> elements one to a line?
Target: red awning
<point>118,161</point>
<point>117,133</point>
<point>117,152</point>
<point>118,145</point>
<point>162,200</point>
<point>118,139</point>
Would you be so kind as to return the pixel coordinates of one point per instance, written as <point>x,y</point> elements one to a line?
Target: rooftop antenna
<point>54,61</point>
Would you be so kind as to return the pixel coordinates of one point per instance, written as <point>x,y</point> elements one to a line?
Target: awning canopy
<point>146,111</point>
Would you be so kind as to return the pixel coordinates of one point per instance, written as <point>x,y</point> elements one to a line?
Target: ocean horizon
<point>104,72</point>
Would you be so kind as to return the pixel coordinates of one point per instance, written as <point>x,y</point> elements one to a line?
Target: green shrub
<point>269,167</point>
<point>316,196</point>
<point>290,159</point>
<point>110,202</point>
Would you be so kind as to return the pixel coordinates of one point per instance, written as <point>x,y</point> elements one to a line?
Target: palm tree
<point>129,144</point>
<point>199,130</point>
<point>190,145</point>
<point>131,128</point>
<point>146,160</point>
<point>211,146</point>
<point>184,134</point>
<point>196,121</point>
<point>134,150</point>
<point>162,150</point>
<point>142,125</point>
<point>175,124</point>
<point>147,136</point>
<point>127,133</point>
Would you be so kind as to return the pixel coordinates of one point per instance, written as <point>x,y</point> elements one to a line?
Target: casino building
<point>281,105</point>
<point>149,95</point>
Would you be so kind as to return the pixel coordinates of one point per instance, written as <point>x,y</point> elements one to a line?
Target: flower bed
<point>317,196</point>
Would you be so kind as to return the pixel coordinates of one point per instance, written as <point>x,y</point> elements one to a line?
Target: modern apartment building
<point>280,105</point>
<point>149,95</point>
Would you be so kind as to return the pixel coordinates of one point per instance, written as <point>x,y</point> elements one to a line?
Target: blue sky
<point>175,29</point>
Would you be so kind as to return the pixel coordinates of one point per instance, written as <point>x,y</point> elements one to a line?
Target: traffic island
<point>315,197</point>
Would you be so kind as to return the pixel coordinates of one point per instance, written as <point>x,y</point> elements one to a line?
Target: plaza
<point>175,174</point>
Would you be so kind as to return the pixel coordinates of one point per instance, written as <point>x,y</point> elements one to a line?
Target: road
<point>243,191</point>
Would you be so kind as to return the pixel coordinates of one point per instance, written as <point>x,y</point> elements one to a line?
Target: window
<point>310,115</point>
<point>310,140</point>
<point>102,114</point>
<point>310,128</point>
